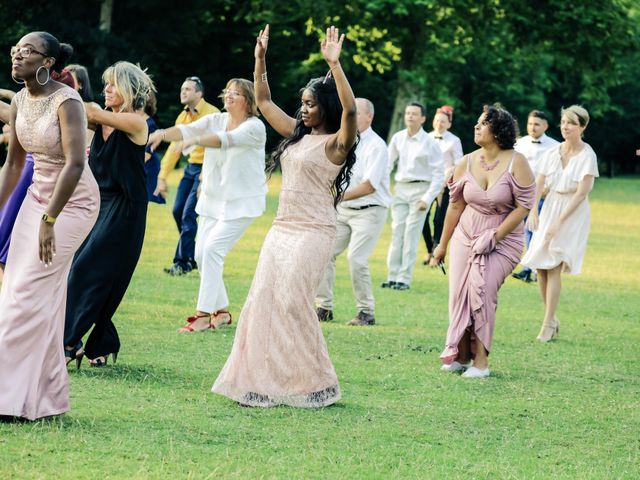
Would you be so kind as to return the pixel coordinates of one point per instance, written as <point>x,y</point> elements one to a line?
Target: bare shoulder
<point>522,170</point>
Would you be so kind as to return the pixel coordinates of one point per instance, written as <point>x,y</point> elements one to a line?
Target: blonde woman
<point>103,266</point>
<point>233,191</point>
<point>567,173</point>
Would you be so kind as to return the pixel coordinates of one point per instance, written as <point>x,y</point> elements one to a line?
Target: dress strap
<point>468,155</point>
<point>510,167</point>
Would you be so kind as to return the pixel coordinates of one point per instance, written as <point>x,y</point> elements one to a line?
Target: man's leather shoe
<point>362,319</point>
<point>524,275</point>
<point>324,315</point>
<point>388,284</point>
<point>401,286</point>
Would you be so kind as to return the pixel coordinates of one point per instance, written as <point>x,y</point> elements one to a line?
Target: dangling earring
<point>19,83</point>
<point>38,72</point>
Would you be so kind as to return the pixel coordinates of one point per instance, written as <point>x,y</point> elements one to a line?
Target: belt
<point>363,207</point>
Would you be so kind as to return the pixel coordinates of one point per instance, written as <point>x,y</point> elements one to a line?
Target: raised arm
<point>128,122</point>
<point>277,118</point>
<point>338,147</point>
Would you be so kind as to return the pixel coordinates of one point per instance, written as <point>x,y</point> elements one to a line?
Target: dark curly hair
<point>502,124</point>
<point>326,94</point>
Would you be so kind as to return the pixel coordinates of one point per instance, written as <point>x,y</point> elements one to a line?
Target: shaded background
<point>542,54</point>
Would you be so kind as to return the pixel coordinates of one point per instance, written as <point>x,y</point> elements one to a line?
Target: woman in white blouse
<point>232,192</point>
<point>560,232</point>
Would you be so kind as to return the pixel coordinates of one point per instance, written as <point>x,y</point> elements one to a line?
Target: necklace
<point>488,166</point>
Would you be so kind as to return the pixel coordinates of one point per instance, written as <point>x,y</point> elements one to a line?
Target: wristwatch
<point>46,218</point>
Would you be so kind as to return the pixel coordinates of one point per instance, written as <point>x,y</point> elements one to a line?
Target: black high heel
<point>76,353</point>
<point>103,360</point>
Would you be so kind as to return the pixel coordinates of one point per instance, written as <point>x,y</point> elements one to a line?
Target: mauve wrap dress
<point>279,355</point>
<point>474,279</point>
<point>33,374</point>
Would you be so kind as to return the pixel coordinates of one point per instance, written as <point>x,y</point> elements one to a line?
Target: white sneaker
<point>474,372</point>
<point>455,366</point>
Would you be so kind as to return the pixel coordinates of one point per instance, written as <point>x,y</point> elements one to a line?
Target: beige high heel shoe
<point>549,331</point>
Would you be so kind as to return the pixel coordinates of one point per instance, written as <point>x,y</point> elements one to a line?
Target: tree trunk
<point>405,93</point>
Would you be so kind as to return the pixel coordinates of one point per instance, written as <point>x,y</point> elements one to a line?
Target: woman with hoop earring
<point>57,214</point>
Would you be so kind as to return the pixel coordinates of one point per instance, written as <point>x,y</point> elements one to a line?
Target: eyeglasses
<point>25,52</point>
<point>194,79</point>
<point>232,93</point>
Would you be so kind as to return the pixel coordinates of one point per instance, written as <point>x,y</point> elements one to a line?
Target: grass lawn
<point>568,409</point>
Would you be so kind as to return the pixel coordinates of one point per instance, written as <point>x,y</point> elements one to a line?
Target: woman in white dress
<point>559,240</point>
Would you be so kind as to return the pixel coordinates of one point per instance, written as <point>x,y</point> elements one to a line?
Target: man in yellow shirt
<point>184,207</point>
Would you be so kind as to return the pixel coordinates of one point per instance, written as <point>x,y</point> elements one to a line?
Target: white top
<point>419,159</point>
<point>233,184</point>
<point>533,149</point>
<point>566,180</point>
<point>372,163</point>
<point>451,147</point>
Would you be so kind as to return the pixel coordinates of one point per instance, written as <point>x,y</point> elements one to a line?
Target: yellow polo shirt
<point>172,155</point>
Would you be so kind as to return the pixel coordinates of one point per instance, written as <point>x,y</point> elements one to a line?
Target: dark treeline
<point>541,54</point>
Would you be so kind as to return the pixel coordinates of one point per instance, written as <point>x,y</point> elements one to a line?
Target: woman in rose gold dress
<point>58,212</point>
<point>491,192</point>
<point>279,356</point>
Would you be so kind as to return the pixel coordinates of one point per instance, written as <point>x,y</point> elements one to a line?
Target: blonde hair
<point>131,82</point>
<point>246,89</point>
<point>576,114</point>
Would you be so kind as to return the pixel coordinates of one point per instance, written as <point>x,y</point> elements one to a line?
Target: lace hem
<point>321,398</point>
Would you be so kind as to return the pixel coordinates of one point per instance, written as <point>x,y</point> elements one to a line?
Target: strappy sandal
<point>219,319</point>
<point>76,353</point>
<point>188,328</point>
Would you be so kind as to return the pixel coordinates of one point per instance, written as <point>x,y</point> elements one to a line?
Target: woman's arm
<point>12,169</point>
<point>5,112</point>
<point>454,211</point>
<point>130,123</point>
<point>72,135</point>
<point>524,176</point>
<point>7,94</point>
<point>250,133</point>
<point>277,118</point>
<point>584,187</point>
<point>338,146</point>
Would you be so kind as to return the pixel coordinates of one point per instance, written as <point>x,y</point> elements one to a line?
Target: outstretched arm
<point>338,147</point>
<point>128,122</point>
<point>277,118</point>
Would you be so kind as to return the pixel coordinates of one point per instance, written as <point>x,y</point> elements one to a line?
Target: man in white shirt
<point>533,146</point>
<point>451,154</point>
<point>419,177</point>
<point>361,217</point>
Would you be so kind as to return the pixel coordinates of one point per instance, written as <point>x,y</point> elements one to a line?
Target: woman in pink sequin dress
<point>58,212</point>
<point>491,192</point>
<point>279,356</point>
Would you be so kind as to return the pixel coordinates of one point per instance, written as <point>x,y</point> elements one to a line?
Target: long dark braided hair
<point>326,94</point>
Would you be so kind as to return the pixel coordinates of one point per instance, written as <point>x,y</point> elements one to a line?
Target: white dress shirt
<point>451,147</point>
<point>372,163</point>
<point>533,149</point>
<point>419,159</point>
<point>233,180</point>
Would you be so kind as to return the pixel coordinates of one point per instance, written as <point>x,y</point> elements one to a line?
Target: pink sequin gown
<point>279,355</point>
<point>474,279</point>
<point>33,375</point>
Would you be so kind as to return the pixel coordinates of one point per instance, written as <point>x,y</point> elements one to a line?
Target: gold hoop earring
<point>38,72</point>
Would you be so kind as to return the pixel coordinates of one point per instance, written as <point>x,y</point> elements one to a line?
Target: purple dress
<point>9,212</point>
<point>474,278</point>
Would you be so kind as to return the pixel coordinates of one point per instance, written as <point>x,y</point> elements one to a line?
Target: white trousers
<point>357,230</point>
<point>214,241</point>
<point>406,229</point>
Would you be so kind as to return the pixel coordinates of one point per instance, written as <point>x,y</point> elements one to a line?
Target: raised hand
<point>262,41</point>
<point>331,46</point>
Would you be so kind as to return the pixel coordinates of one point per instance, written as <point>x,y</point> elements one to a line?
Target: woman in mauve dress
<point>558,245</point>
<point>279,356</point>
<point>58,212</point>
<point>491,193</point>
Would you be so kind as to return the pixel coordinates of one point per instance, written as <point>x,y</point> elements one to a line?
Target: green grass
<point>568,409</point>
